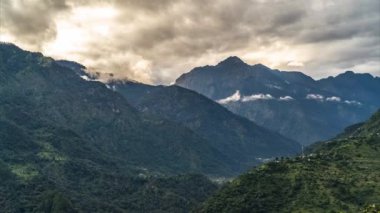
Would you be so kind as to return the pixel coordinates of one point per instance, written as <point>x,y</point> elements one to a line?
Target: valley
<point>72,143</point>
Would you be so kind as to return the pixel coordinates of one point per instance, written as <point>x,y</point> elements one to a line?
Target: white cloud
<point>286,98</point>
<point>353,102</point>
<point>260,96</point>
<point>256,97</point>
<point>317,97</point>
<point>233,98</point>
<point>156,41</point>
<point>85,77</point>
<point>333,99</point>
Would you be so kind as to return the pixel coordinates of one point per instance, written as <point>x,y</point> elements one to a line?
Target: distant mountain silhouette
<point>290,103</point>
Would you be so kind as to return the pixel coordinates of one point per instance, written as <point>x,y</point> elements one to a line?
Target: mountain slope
<point>355,86</point>
<point>234,136</point>
<point>54,170</point>
<point>71,145</point>
<point>290,103</point>
<point>338,175</point>
<point>35,91</point>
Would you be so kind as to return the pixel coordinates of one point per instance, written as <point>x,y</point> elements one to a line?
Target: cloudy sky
<point>154,41</point>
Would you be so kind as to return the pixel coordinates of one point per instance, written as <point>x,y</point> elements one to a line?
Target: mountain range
<point>36,93</point>
<point>71,143</point>
<point>232,135</point>
<point>288,102</point>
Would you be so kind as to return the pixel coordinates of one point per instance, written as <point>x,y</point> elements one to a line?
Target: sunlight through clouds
<point>155,42</point>
<point>77,29</point>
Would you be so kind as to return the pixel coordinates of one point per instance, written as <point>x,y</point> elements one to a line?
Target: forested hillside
<point>341,175</point>
<point>71,145</point>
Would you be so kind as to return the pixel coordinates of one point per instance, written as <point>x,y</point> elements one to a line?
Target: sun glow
<point>4,37</point>
<point>79,28</point>
<point>279,56</point>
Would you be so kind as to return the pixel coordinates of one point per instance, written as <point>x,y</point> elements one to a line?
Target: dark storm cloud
<point>357,19</point>
<point>32,21</point>
<point>155,41</point>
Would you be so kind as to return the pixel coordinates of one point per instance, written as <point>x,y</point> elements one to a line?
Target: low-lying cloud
<point>233,98</point>
<point>256,97</point>
<point>333,99</point>
<point>352,102</point>
<point>317,97</point>
<point>286,98</point>
<point>321,98</point>
<point>237,97</point>
<point>156,41</point>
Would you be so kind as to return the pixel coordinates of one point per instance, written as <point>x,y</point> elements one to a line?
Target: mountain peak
<point>232,61</point>
<point>7,46</point>
<point>3,43</point>
<point>349,72</point>
<point>261,66</point>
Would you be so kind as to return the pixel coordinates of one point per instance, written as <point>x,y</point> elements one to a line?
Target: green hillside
<point>36,94</point>
<point>70,145</point>
<point>342,175</point>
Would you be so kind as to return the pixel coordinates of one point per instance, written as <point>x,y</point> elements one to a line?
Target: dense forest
<point>69,145</point>
<point>338,175</point>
